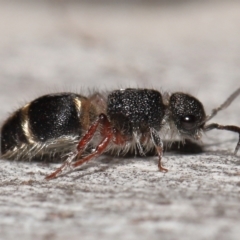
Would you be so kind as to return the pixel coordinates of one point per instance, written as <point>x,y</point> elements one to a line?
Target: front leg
<point>158,143</point>
<point>231,128</point>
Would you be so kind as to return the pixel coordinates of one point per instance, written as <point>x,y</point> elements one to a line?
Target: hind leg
<point>105,132</point>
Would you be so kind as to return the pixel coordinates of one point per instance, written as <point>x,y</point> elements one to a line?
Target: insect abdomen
<point>46,119</point>
<point>12,133</point>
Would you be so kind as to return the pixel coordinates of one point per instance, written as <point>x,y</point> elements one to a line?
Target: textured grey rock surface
<point>58,46</point>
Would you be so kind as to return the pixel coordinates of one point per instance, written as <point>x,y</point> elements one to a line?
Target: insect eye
<point>187,113</point>
<point>188,122</point>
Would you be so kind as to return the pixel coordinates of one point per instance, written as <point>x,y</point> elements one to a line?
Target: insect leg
<point>158,143</point>
<point>139,145</point>
<point>102,119</point>
<point>107,134</point>
<point>61,168</point>
<point>231,128</point>
<point>99,149</point>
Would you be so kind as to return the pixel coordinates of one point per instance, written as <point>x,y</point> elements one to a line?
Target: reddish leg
<point>160,154</point>
<point>61,168</point>
<point>118,137</point>
<point>107,134</point>
<point>99,149</point>
<point>88,136</point>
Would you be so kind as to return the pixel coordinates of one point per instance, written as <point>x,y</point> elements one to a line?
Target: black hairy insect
<point>76,129</point>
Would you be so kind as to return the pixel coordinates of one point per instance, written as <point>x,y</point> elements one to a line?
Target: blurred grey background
<point>57,45</point>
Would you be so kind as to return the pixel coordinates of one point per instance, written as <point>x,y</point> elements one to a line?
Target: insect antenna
<point>231,128</point>
<point>229,100</point>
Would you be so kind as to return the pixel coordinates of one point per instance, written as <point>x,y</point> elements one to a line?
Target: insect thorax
<point>135,110</point>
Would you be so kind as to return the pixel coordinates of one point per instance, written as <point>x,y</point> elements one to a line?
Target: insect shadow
<point>175,147</point>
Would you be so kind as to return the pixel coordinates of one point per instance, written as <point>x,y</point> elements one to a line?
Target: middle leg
<point>158,143</point>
